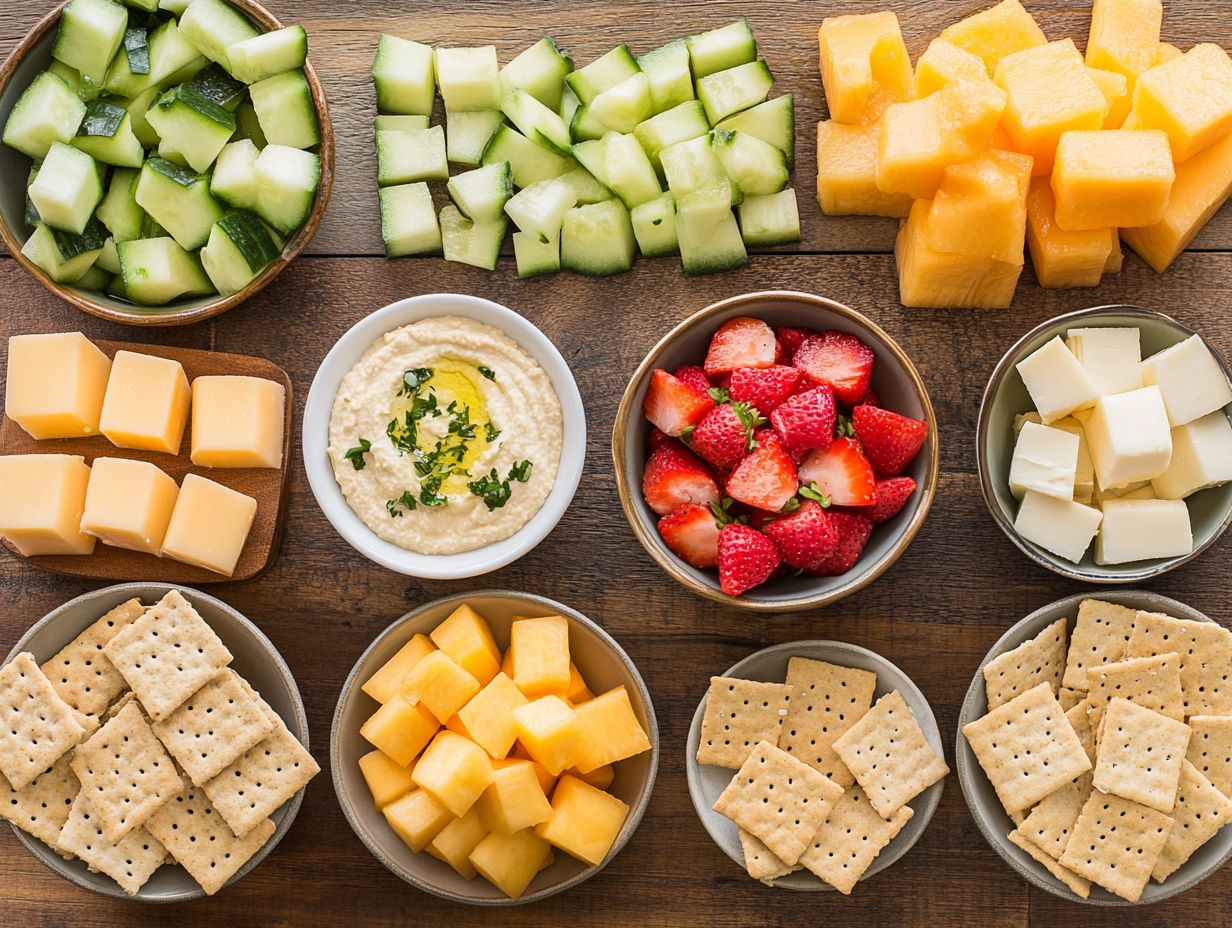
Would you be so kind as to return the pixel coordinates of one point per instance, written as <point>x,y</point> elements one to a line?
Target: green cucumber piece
<point>586,189</point>
<point>137,49</point>
<point>94,279</point>
<point>536,121</point>
<point>569,104</point>
<point>137,108</point>
<point>671,79</point>
<point>47,111</point>
<point>535,257</point>
<point>679,124</point>
<point>119,210</point>
<point>597,239</point>
<point>773,121</point>
<point>539,70</point>
<point>109,259</point>
<point>285,109</point>
<point>174,7</point>
<point>219,87</point>
<point>474,243</point>
<point>693,165</point>
<point>404,75</point>
<point>707,232</point>
<point>387,121</point>
<point>234,180</point>
<point>539,209</point>
<point>624,106</point>
<point>628,171</point>
<point>214,26</point>
<point>179,200</point>
<point>408,221</point>
<point>602,73</point>
<point>726,92</point>
<point>481,194</point>
<point>247,126</point>
<point>157,271</point>
<point>654,227</point>
<point>584,126</point>
<point>268,54</point>
<point>722,48</point>
<point>31,214</point>
<point>287,180</point>
<point>528,160</point>
<point>172,60</point>
<point>190,124</point>
<point>90,34</point>
<point>468,134</point>
<point>239,248</point>
<point>106,134</point>
<point>468,78</point>
<point>61,256</point>
<point>773,219</point>
<point>756,167</point>
<point>592,155</point>
<point>67,189</point>
<point>404,156</point>
<point>169,152</point>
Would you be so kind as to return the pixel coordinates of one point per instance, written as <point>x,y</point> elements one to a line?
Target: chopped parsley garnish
<point>404,503</point>
<point>356,454</point>
<point>413,379</point>
<point>520,471</point>
<point>491,432</point>
<point>491,489</point>
<point>487,371</point>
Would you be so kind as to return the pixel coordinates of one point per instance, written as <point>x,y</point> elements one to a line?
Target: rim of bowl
<point>632,821</point>
<point>314,440</point>
<point>995,383</point>
<point>969,767</point>
<point>139,589</point>
<point>154,316</point>
<point>625,413</point>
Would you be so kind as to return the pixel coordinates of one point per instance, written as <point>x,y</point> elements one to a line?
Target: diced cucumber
<point>733,90</point>
<point>535,257</point>
<point>723,48</point>
<point>179,200</point>
<point>654,227</point>
<point>108,259</point>
<point>585,188</point>
<point>536,121</point>
<point>150,228</point>
<point>157,270</point>
<point>401,122</point>
<point>481,194</point>
<point>239,249</point>
<point>90,34</point>
<point>234,180</point>
<point>602,73</point>
<point>408,221</point>
<point>119,210</point>
<point>219,87</point>
<point>770,220</point>
<point>137,108</point>
<point>585,126</point>
<point>169,152</point>
<point>287,180</point>
<point>247,126</point>
<point>116,287</point>
<point>106,134</point>
<point>707,232</point>
<point>474,243</point>
<point>285,109</point>
<point>31,215</point>
<point>679,124</point>
<point>569,104</point>
<point>172,59</point>
<point>539,209</point>
<point>468,78</point>
<point>624,106</point>
<point>148,6</point>
<point>628,171</point>
<point>756,167</point>
<point>693,165</point>
<point>214,26</point>
<point>468,134</point>
<point>667,69</point>
<point>404,75</point>
<point>592,155</point>
<point>404,156</point>
<point>47,111</point>
<point>268,54</point>
<point>175,7</point>
<point>95,279</point>
<point>539,70</point>
<point>528,160</point>
<point>61,256</point>
<point>597,239</point>
<point>65,73</point>
<point>773,121</point>
<point>192,125</point>
<point>137,49</point>
<point>67,189</point>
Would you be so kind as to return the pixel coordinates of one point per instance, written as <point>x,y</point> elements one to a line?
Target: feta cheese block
<point>128,504</point>
<point>1192,381</point>
<point>1045,461</point>
<point>55,384</point>
<point>1140,529</point>
<point>146,404</point>
<point>237,422</point>
<point>1058,384</point>
<point>41,500</point>
<point>1129,437</point>
<point>1061,526</point>
<point>209,525</point>
<point>1111,356</point>
<point>1201,457</point>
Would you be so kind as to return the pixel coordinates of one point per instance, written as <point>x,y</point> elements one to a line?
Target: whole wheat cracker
<point>1205,649</point>
<point>1100,636</point>
<point>81,672</point>
<point>1039,660</point>
<point>41,807</point>
<point>1079,886</point>
<point>739,714</point>
<point>1116,844</point>
<point>1210,749</point>
<point>1140,755</point>
<point>1200,811</point>
<point>760,862</point>
<point>850,839</point>
<point>826,700</point>
<point>37,727</point>
<point>130,862</point>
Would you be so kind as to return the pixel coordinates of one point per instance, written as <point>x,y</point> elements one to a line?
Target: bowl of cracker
<point>1094,748</point>
<point>154,745</point>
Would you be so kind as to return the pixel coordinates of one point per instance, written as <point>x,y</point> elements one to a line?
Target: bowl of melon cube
<point>161,161</point>
<point>494,748</point>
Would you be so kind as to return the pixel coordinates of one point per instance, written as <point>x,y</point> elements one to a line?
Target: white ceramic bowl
<point>343,356</point>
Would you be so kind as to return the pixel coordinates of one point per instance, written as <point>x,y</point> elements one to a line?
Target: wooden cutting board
<point>266,485</point>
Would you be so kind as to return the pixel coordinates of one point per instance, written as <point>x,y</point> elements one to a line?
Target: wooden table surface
<point>935,613</point>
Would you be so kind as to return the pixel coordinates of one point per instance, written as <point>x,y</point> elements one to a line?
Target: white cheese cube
<point>1191,380</point>
<point>1084,474</point>
<point>1101,494</point>
<point>1146,491</point>
<point>1139,529</point>
<point>1111,356</point>
<point>1058,384</point>
<point>1023,418</point>
<point>1061,526</point>
<point>1129,437</point>
<point>1201,457</point>
<point>1045,460</point>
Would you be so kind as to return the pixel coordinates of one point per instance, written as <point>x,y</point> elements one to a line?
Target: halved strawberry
<point>747,558</point>
<point>806,420</point>
<point>842,473</point>
<point>695,377</point>
<point>740,342</point>
<point>806,537</point>
<point>672,405</point>
<point>838,360</point>
<point>656,437</point>
<point>853,532</point>
<point>766,479</point>
<point>765,387</point>
<point>870,398</point>
<point>692,532</point>
<point>892,496</point>
<point>790,338</point>
<point>890,440</point>
<point>725,436</point>
<point>674,476</point>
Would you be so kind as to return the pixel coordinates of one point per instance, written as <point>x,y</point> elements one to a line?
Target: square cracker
<point>826,700</point>
<point>1206,658</point>
<point>126,772</point>
<point>200,841</point>
<point>81,673</point>
<point>37,727</point>
<point>1210,749</point>
<point>130,862</point>
<point>850,839</point>
<point>761,862</point>
<point>1200,811</point>
<point>739,714</point>
<point>1100,637</point>
<point>1040,660</point>
<point>41,807</point>
<point>1080,721</point>
<point>1078,885</point>
<point>1051,822</point>
<point>1068,698</point>
<point>213,727</point>
<point>889,755</point>
<point>1151,682</point>
<point>167,655</point>
<point>779,800</point>
<point>1140,755</point>
<point>1028,748</point>
<point>1116,843</point>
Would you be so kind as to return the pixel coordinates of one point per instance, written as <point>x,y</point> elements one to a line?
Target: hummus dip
<point>445,436</point>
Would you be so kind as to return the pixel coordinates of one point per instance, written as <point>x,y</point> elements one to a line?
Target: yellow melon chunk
<point>1000,139</point>
<point>453,843</point>
<point>996,32</point>
<point>1116,257</point>
<point>540,655</point>
<point>466,637</point>
<point>847,173</point>
<point>514,800</point>
<point>1063,259</point>
<point>1116,90</point>
<point>599,778</point>
<point>401,729</point>
<point>386,779</point>
<point>386,683</point>
<point>1118,177</point>
<point>864,65</point>
<point>585,821</point>
<point>417,818</point>
<point>1189,97</point>
<point>440,684</point>
<point>455,770</point>
<point>613,729</point>
<point>551,732</point>
<point>488,718</point>
<point>546,780</point>
<point>578,691</point>
<point>1124,35</point>
<point>980,208</point>
<point>1165,52</point>
<point>945,63</point>
<point>507,662</point>
<point>510,862</point>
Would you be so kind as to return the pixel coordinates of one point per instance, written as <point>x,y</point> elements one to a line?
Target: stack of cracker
<point>136,745</point>
<point>1111,755</point>
<point>824,776</point>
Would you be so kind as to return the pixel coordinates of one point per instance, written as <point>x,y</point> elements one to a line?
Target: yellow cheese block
<point>209,525</point>
<point>847,173</point>
<point>864,66</point>
<point>55,384</point>
<point>1189,97</point>
<point>944,63</point>
<point>1166,52</point>
<point>488,717</point>
<point>540,654</point>
<point>1063,259</point>
<point>146,404</point>
<point>1116,90</point>
<point>510,862</point>
<point>386,683</point>
<point>455,770</point>
<point>401,729</point>
<point>440,683</point>
<point>613,730</point>
<point>1116,178</point>
<point>417,818</point>
<point>128,504</point>
<point>996,32</point>
<point>514,799</point>
<point>237,422</point>
<point>980,208</point>
<point>1124,35</point>
<point>42,497</point>
<point>552,733</point>
<point>585,821</point>
<point>453,843</point>
<point>466,637</point>
<point>386,780</point>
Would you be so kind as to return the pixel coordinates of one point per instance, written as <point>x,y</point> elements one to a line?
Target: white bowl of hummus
<point>444,436</point>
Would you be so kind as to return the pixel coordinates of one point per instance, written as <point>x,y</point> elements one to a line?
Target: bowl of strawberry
<point>776,451</point>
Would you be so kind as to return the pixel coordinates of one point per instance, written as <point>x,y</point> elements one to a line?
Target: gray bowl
<point>706,782</point>
<point>256,659</point>
<point>601,661</point>
<point>982,799</point>
<point>1210,511</point>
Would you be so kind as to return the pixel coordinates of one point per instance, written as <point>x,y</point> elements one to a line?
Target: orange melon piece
<point>466,637</point>
<point>945,63</point>
<point>510,862</point>
<point>1189,97</point>
<point>514,800</point>
<point>441,684</point>
<point>453,843</point>
<point>488,718</point>
<point>401,729</point>
<point>1124,35</point>
<point>1118,177</point>
<point>386,683</point>
<point>455,771</point>
<point>386,779</point>
<point>1116,257</point>
<point>540,654</point>
<point>1116,90</point>
<point>847,173</point>
<point>585,821</point>
<point>417,818</point>
<point>864,65</point>
<point>1165,52</point>
<point>1063,259</point>
<point>552,733</point>
<point>996,32</point>
<point>613,728</point>
<point>980,209</point>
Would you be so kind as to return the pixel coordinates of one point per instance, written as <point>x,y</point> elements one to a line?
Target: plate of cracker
<point>815,764</point>
<point>154,745</point>
<point>1095,747</point>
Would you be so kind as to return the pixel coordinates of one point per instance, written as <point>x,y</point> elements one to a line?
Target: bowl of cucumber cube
<point>162,160</point>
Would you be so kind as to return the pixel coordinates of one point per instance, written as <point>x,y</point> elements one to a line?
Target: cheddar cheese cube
<point>945,63</point>
<point>146,404</point>
<point>488,717</point>
<point>514,800</point>
<point>55,384</point>
<point>1060,258</point>
<point>453,843</point>
<point>42,498</point>
<point>417,818</point>
<point>440,683</point>
<point>585,821</point>
<point>613,730</point>
<point>1116,178</point>
<point>128,504</point>
<point>847,173</point>
<point>209,525</point>
<point>510,862</point>
<point>1124,35</point>
<point>864,66</point>
<point>386,779</point>
<point>455,770</point>
<point>401,729</point>
<point>386,683</point>
<point>996,32</point>
<point>1189,98</point>
<point>237,422</point>
<point>540,654</point>
<point>552,733</point>
<point>466,637</point>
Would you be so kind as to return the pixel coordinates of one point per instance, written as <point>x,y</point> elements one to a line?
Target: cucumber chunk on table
<point>285,109</point>
<point>179,200</point>
<point>408,221</point>
<point>534,256</point>
<point>628,171</point>
<point>468,134</point>
<point>602,73</point>
<point>474,243</point>
<point>679,124</point>
<point>726,92</point>
<point>64,257</point>
<point>157,270</point>
<point>119,210</point>
<point>47,111</point>
<point>669,73</point>
<point>756,167</point>
<point>239,248</point>
<point>539,70</point>
<point>539,210</point>
<point>773,121</point>
<point>481,194</point>
<point>707,232</point>
<point>287,180</point>
<point>405,77</point>
<point>654,226</point>
<point>89,35</point>
<point>234,180</point>
<point>586,126</point>
<point>586,189</point>
<point>722,48</point>
<point>624,106</point>
<point>591,155</point>
<point>190,124</point>
<point>67,189</point>
<point>468,78</point>
<point>404,156</point>
<point>213,26</point>
<point>536,121</point>
<point>268,54</point>
<point>528,160</point>
<point>597,239</point>
<point>693,165</point>
<point>770,220</point>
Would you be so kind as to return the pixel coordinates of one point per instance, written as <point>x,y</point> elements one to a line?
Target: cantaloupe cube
<point>935,279</point>
<point>1124,35</point>
<point>466,637</point>
<point>1116,257</point>
<point>1116,90</point>
<point>455,770</point>
<point>864,66</point>
<point>613,729</point>
<point>417,818</point>
<point>386,779</point>
<point>551,732</point>
<point>945,63</point>
<point>1048,91</point>
<point>578,691</point>
<point>585,821</point>
<point>996,32</point>
<point>980,208</point>
<point>1000,139</point>
<point>453,843</point>
<point>514,800</point>
<point>1203,184</point>
<point>599,778</point>
<point>387,682</point>
<point>510,862</point>
<point>1118,177</point>
<point>847,173</point>
<point>507,662</point>
<point>546,780</point>
<point>1063,259</point>
<point>1189,97</point>
<point>488,718</point>
<point>401,729</point>
<point>540,655</point>
<point>440,684</point>
<point>1166,51</point>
